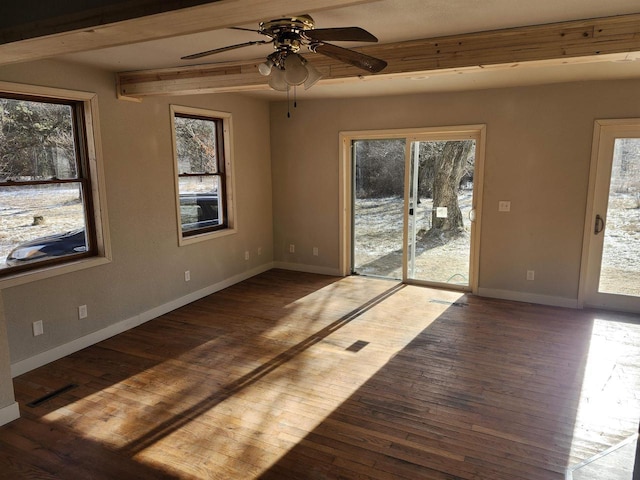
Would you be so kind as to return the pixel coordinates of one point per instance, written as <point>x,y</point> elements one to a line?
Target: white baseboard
<point>299,267</point>
<point>28,364</point>
<point>529,297</point>
<point>9,413</point>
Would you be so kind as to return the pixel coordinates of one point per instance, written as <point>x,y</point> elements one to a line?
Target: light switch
<point>38,328</point>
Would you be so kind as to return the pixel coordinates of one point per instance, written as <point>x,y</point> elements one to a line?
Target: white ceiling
<point>392,21</point>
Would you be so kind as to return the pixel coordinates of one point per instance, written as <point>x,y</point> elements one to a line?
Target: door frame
<point>603,131</point>
<point>457,132</point>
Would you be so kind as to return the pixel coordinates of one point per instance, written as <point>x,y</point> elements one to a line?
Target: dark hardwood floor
<point>298,376</point>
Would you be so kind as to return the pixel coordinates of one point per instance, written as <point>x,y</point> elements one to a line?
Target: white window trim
<point>96,170</point>
<point>232,227</point>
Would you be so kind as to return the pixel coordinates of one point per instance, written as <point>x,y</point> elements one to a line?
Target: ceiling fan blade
<point>224,49</point>
<point>357,59</point>
<point>344,34</point>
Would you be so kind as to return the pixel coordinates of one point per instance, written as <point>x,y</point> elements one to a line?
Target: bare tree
<point>36,139</point>
<point>448,169</point>
<point>196,145</point>
<point>379,168</point>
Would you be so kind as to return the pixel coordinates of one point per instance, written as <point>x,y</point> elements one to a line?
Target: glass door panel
<point>620,265</point>
<point>440,197</point>
<point>378,206</point>
<point>413,200</point>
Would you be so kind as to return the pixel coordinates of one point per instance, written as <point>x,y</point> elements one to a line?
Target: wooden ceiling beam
<point>85,32</point>
<point>566,42</point>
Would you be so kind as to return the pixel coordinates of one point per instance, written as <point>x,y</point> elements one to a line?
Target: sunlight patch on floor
<point>608,386</point>
<point>240,417</point>
<point>244,417</point>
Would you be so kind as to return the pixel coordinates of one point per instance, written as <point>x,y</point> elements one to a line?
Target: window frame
<point>224,172</point>
<point>90,175</point>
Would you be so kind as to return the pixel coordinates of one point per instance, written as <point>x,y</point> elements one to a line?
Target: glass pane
<point>378,207</point>
<point>40,223</point>
<point>196,145</point>
<point>36,141</point>
<point>199,202</point>
<point>620,269</point>
<point>441,199</point>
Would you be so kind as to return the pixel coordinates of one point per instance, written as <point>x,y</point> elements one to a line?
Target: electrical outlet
<point>187,275</point>
<point>315,251</point>
<point>82,312</point>
<point>38,328</point>
<point>504,206</point>
<point>531,275</point>
<point>292,248</point>
<point>246,255</point>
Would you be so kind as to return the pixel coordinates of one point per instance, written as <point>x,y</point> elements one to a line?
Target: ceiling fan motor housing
<point>287,33</point>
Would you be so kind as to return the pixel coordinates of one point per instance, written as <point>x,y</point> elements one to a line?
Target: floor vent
<point>51,395</point>
<point>357,346</point>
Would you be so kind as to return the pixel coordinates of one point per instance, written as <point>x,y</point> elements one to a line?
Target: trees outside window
<point>445,168</point>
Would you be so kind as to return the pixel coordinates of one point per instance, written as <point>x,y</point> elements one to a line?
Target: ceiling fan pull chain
<point>288,104</point>
<point>295,101</point>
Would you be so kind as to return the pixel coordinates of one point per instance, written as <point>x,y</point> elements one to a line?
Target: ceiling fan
<point>286,67</point>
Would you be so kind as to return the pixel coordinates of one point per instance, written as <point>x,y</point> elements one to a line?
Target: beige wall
<point>6,386</point>
<point>148,265</point>
<point>537,156</point>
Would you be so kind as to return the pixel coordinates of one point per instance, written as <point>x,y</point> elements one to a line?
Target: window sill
<point>183,241</point>
<point>48,272</point>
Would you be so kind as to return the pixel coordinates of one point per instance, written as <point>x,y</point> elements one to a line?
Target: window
<point>201,150</point>
<point>48,182</point>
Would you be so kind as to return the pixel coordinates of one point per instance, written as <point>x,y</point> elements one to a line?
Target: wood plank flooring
<point>298,376</point>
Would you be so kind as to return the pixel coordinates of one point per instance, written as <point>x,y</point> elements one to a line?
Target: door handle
<point>599,226</point>
<point>472,215</point>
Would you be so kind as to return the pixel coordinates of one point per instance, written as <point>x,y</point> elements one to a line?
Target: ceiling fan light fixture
<point>265,68</point>
<point>277,80</point>
<point>314,76</point>
<point>295,72</point>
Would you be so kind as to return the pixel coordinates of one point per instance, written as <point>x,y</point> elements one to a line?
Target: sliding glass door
<point>414,202</point>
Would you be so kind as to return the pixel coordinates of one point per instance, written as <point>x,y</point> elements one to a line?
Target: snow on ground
<point>378,234</point>
<point>378,230</point>
<point>60,207</point>
<point>621,253</point>
<point>378,244</point>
